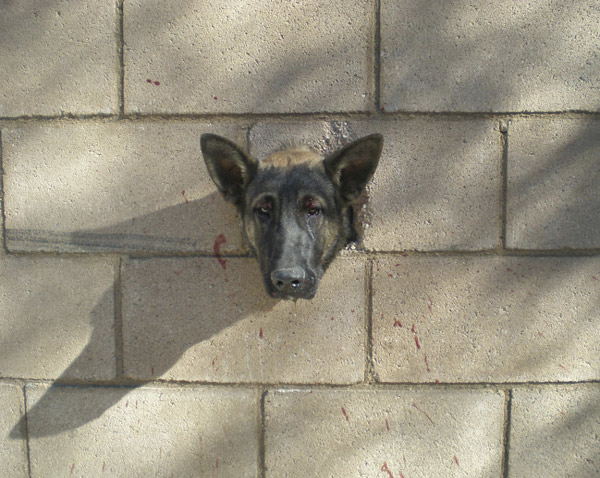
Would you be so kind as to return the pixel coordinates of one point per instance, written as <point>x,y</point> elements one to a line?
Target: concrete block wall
<point>461,337</point>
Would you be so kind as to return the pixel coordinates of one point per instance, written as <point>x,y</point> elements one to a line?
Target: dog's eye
<point>311,207</point>
<point>264,210</point>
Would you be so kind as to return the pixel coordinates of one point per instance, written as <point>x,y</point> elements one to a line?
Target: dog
<point>296,207</point>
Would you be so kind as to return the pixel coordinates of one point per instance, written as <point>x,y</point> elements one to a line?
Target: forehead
<point>292,179</point>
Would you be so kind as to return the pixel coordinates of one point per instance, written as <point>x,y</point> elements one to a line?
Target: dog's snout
<point>293,282</point>
<point>288,278</point>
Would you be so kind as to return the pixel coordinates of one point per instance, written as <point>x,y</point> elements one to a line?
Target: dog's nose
<point>289,281</point>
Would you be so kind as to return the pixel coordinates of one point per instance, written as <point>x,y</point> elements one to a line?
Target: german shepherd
<point>296,206</point>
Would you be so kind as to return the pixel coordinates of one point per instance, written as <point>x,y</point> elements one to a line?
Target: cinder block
<point>121,432</point>
<point>554,432</point>
<point>486,319</point>
<point>57,318</point>
<point>437,186</point>
<point>114,187</point>
<point>553,184</point>
<point>248,57</point>
<point>13,448</point>
<point>489,56</point>
<point>195,319</point>
<point>58,58</point>
<point>384,433</point>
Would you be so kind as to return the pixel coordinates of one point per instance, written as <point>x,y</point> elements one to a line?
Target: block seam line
<point>506,433</point>
<point>26,430</point>
<point>120,40</point>
<point>504,127</point>
<point>376,87</point>
<point>262,465</point>
<point>118,320</point>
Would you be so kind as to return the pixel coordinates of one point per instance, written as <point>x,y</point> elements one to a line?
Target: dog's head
<point>295,205</point>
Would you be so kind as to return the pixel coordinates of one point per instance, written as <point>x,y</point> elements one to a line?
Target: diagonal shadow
<point>168,334</point>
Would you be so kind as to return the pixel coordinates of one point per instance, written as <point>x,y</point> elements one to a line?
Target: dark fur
<point>296,207</point>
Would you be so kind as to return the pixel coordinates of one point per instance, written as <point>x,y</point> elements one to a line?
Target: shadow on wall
<point>165,333</point>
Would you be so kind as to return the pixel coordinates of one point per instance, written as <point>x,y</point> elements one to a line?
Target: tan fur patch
<point>292,157</point>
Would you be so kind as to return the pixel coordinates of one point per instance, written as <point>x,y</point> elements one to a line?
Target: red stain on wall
<point>219,241</point>
<point>387,470</point>
<point>345,414</point>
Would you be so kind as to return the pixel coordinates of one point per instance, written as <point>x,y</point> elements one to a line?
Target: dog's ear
<point>352,167</point>
<point>230,168</point>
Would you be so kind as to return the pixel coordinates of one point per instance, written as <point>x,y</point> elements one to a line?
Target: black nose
<point>291,281</point>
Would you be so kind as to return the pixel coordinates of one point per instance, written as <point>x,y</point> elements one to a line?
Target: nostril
<point>279,284</point>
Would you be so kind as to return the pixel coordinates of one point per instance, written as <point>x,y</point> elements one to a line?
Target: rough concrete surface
<point>192,432</point>
<point>457,337</point>
<point>56,318</point>
<point>554,184</point>
<point>321,433</point>
<point>58,57</point>
<point>490,56</point>
<point>13,448</point>
<point>486,319</point>
<point>248,57</point>
<point>555,432</point>
<point>114,186</point>
<point>207,321</point>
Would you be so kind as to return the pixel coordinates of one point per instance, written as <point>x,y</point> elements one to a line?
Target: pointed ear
<point>352,167</point>
<point>230,168</point>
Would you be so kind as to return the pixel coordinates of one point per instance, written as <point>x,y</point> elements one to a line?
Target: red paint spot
<point>383,108</point>
<point>387,470</point>
<point>437,381</point>
<point>332,317</point>
<point>412,329</point>
<point>72,468</point>
<point>430,304</point>
<point>345,414</point>
<point>426,363</point>
<point>417,343</point>
<point>157,83</point>
<point>456,461</point>
<point>148,80</point>
<point>219,241</point>
<point>405,255</point>
<point>387,425</point>
<point>352,311</point>
<point>390,275</point>
<point>397,323</point>
<point>509,269</point>
<point>260,333</point>
<point>215,98</point>
<point>424,413</point>
<point>184,198</point>
<point>397,265</point>
<point>126,403</point>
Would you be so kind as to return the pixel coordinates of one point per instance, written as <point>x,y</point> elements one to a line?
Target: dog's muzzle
<point>294,283</point>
